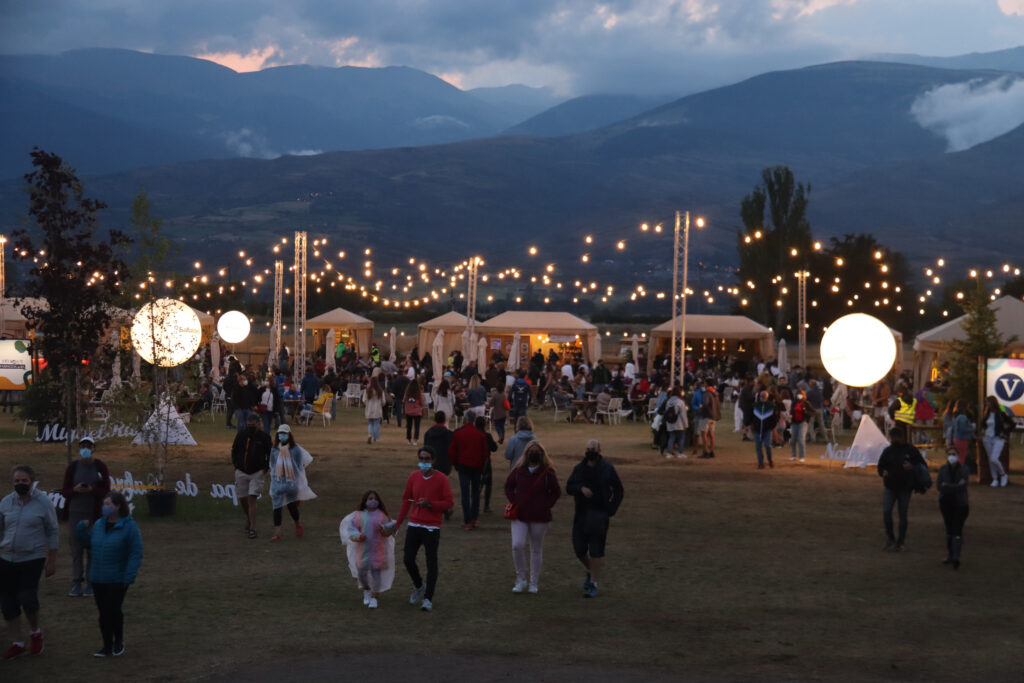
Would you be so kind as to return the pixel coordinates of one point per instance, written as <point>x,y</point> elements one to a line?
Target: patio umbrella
<point>635,348</point>
<point>136,365</point>
<point>782,356</point>
<point>115,369</point>
<point>215,357</point>
<point>513,356</point>
<point>436,353</point>
<point>391,339</point>
<point>481,352</point>
<point>329,351</point>
<point>465,345</point>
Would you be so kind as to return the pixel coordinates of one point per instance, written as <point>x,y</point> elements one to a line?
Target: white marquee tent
<point>723,333</point>
<point>540,330</point>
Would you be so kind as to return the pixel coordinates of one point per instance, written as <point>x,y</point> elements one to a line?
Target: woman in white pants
<point>532,490</point>
<point>994,436</point>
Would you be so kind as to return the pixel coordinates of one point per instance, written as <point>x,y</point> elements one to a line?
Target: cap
<point>88,440</point>
<point>284,429</point>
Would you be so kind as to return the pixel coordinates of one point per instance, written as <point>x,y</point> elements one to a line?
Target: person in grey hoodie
<point>28,547</point>
<point>517,442</point>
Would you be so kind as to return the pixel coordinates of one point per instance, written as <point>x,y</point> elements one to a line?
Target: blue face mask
<point>108,510</point>
<point>85,452</point>
<point>426,466</point>
<point>283,438</point>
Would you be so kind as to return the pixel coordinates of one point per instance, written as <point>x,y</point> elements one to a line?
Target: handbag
<point>512,510</point>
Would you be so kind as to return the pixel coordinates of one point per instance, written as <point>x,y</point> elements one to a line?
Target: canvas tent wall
<point>541,330</point>
<point>714,334</point>
<point>344,323</point>
<point>930,346</point>
<point>453,325</point>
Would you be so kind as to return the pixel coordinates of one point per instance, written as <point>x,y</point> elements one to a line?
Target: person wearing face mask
<point>116,543</point>
<point>86,484</point>
<point>532,490</point>
<point>245,397</point>
<point>250,453</point>
<point>597,490</point>
<point>28,547</point>
<point>371,553</point>
<point>801,413</point>
<point>288,484</point>
<point>952,486</point>
<point>426,497</point>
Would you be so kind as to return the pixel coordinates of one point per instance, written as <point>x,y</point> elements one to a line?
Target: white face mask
<point>532,468</point>
<point>953,459</point>
<point>372,504</point>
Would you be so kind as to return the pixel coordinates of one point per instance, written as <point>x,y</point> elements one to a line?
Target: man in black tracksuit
<point>896,467</point>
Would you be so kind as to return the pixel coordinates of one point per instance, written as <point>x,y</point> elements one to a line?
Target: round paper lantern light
<point>166,332</point>
<point>858,349</point>
<point>233,327</point>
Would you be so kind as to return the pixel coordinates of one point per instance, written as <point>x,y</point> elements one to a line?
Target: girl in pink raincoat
<point>371,554</point>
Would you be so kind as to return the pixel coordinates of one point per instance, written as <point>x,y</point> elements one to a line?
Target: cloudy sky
<point>574,46</point>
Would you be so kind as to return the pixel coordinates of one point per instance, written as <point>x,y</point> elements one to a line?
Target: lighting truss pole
<point>299,328</point>
<point>278,296</point>
<point>474,264</point>
<point>3,282</point>
<point>801,297</point>
<point>679,296</point>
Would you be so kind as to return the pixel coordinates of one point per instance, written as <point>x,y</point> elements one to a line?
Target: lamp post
<point>679,292</point>
<point>3,284</point>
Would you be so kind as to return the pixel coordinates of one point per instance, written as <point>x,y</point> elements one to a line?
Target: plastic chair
<point>322,407</point>
<point>353,394</point>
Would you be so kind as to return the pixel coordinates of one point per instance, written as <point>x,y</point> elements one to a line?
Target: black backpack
<point>922,478</point>
<point>671,415</point>
<point>520,396</point>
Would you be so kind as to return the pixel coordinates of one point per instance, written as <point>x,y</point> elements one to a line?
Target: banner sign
<point>131,487</point>
<point>15,364</point>
<point>1005,381</point>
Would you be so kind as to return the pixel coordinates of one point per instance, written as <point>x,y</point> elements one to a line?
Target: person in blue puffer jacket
<point>115,545</point>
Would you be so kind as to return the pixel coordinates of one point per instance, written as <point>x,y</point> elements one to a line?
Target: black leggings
<point>954,516</point>
<point>416,536</point>
<point>109,597</point>
<point>293,510</point>
<point>412,421</point>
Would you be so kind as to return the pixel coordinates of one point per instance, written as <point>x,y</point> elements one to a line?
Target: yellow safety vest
<point>906,411</point>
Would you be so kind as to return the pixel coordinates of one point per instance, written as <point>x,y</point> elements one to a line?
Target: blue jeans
<point>268,420</point>
<point>677,437</point>
<point>798,431</point>
<point>469,483</point>
<point>241,416</point>
<point>373,428</point>
<point>901,500</point>
<point>763,446</point>
<point>499,427</point>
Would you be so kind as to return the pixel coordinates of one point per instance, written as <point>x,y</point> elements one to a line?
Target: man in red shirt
<point>428,494</point>
<point>469,452</point>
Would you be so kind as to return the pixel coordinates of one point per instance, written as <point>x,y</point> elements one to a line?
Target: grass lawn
<point>715,571</point>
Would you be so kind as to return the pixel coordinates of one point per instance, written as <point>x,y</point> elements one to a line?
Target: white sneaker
<point>520,586</point>
<point>533,588</point>
<point>366,598</point>
<point>995,482</point>
<point>1004,480</point>
<point>682,456</point>
<point>372,603</point>
<point>426,606</point>
<point>668,456</point>
<point>417,595</point>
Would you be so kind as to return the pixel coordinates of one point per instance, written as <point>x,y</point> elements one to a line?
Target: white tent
<point>164,423</point>
<point>452,323</point>
<point>931,345</point>
<point>340,320</point>
<point>868,444</point>
<point>543,328</point>
<point>724,332</point>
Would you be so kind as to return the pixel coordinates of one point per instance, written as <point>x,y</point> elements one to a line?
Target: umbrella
<point>465,344</point>
<point>513,356</point>
<point>481,352</point>
<point>436,353</point>
<point>215,357</point>
<point>782,356</point>
<point>136,365</point>
<point>330,349</point>
<point>635,347</point>
<point>391,339</point>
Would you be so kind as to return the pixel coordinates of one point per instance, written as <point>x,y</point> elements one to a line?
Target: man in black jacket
<point>250,454</point>
<point>597,491</point>
<point>896,467</point>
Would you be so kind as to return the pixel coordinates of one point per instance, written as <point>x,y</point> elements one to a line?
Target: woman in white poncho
<point>288,485</point>
<point>371,554</point>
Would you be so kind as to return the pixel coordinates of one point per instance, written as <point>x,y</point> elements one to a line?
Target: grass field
<point>715,571</point>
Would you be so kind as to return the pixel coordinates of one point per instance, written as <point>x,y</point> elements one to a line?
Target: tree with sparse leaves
<point>982,341</point>
<point>75,276</point>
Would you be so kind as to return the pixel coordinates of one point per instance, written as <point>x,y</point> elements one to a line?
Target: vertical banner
<point>1005,381</point>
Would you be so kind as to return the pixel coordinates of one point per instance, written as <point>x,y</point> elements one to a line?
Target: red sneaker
<point>36,646</point>
<point>298,529</point>
<point>476,523</point>
<point>274,538</point>
<point>14,650</point>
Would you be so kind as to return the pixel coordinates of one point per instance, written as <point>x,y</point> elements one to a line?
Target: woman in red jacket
<point>412,406</point>
<point>532,490</point>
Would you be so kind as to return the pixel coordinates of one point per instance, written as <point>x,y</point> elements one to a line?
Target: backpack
<point>798,412</point>
<point>520,396</point>
<point>671,415</point>
<point>922,478</point>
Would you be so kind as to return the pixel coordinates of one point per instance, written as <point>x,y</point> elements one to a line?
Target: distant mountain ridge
<point>585,113</point>
<point>1011,59</point>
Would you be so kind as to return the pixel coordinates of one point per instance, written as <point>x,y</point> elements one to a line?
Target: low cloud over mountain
<point>970,113</point>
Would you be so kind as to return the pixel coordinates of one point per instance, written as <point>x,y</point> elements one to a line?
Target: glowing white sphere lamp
<point>858,350</point>
<point>166,332</point>
<point>233,327</point>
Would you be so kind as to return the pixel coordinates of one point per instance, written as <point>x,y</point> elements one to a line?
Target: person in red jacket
<point>428,494</point>
<point>532,488</point>
<point>469,452</point>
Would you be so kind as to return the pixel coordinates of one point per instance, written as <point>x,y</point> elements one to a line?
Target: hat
<point>88,440</point>
<point>284,429</point>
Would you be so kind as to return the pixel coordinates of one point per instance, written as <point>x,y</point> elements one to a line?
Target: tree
<point>769,254</point>
<point>75,276</point>
<point>982,341</point>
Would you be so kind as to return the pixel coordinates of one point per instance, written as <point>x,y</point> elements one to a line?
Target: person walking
<point>468,453</point>
<point>953,504</point>
<point>116,543</point>
<point>412,406</point>
<point>896,467</point>
<point>519,396</point>
<point>532,490</point>
<point>597,492</point>
<point>250,453</point>
<point>444,398</point>
<point>28,548</point>
<point>800,413</point>
<point>996,431</point>
<point>487,474</point>
<point>675,421</point>
<point>764,417</point>
<point>86,484</point>
<point>499,411</point>
<point>517,442</point>
<point>710,413</point>
<point>427,494</point>
<point>288,484</point>
<point>371,553</point>
<point>374,410</point>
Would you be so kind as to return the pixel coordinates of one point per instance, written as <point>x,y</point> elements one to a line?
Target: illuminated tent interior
<point>735,335</point>
<point>453,324</point>
<point>346,325</point>
<point>543,330</point>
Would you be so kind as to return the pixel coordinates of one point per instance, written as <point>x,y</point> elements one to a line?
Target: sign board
<point>15,364</point>
<point>1005,380</point>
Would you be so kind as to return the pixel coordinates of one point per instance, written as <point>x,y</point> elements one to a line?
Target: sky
<point>572,46</point>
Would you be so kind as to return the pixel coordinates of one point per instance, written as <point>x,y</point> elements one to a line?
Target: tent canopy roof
<point>1009,321</point>
<point>339,317</point>
<point>721,326</point>
<point>549,322</point>
<point>449,320</point>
